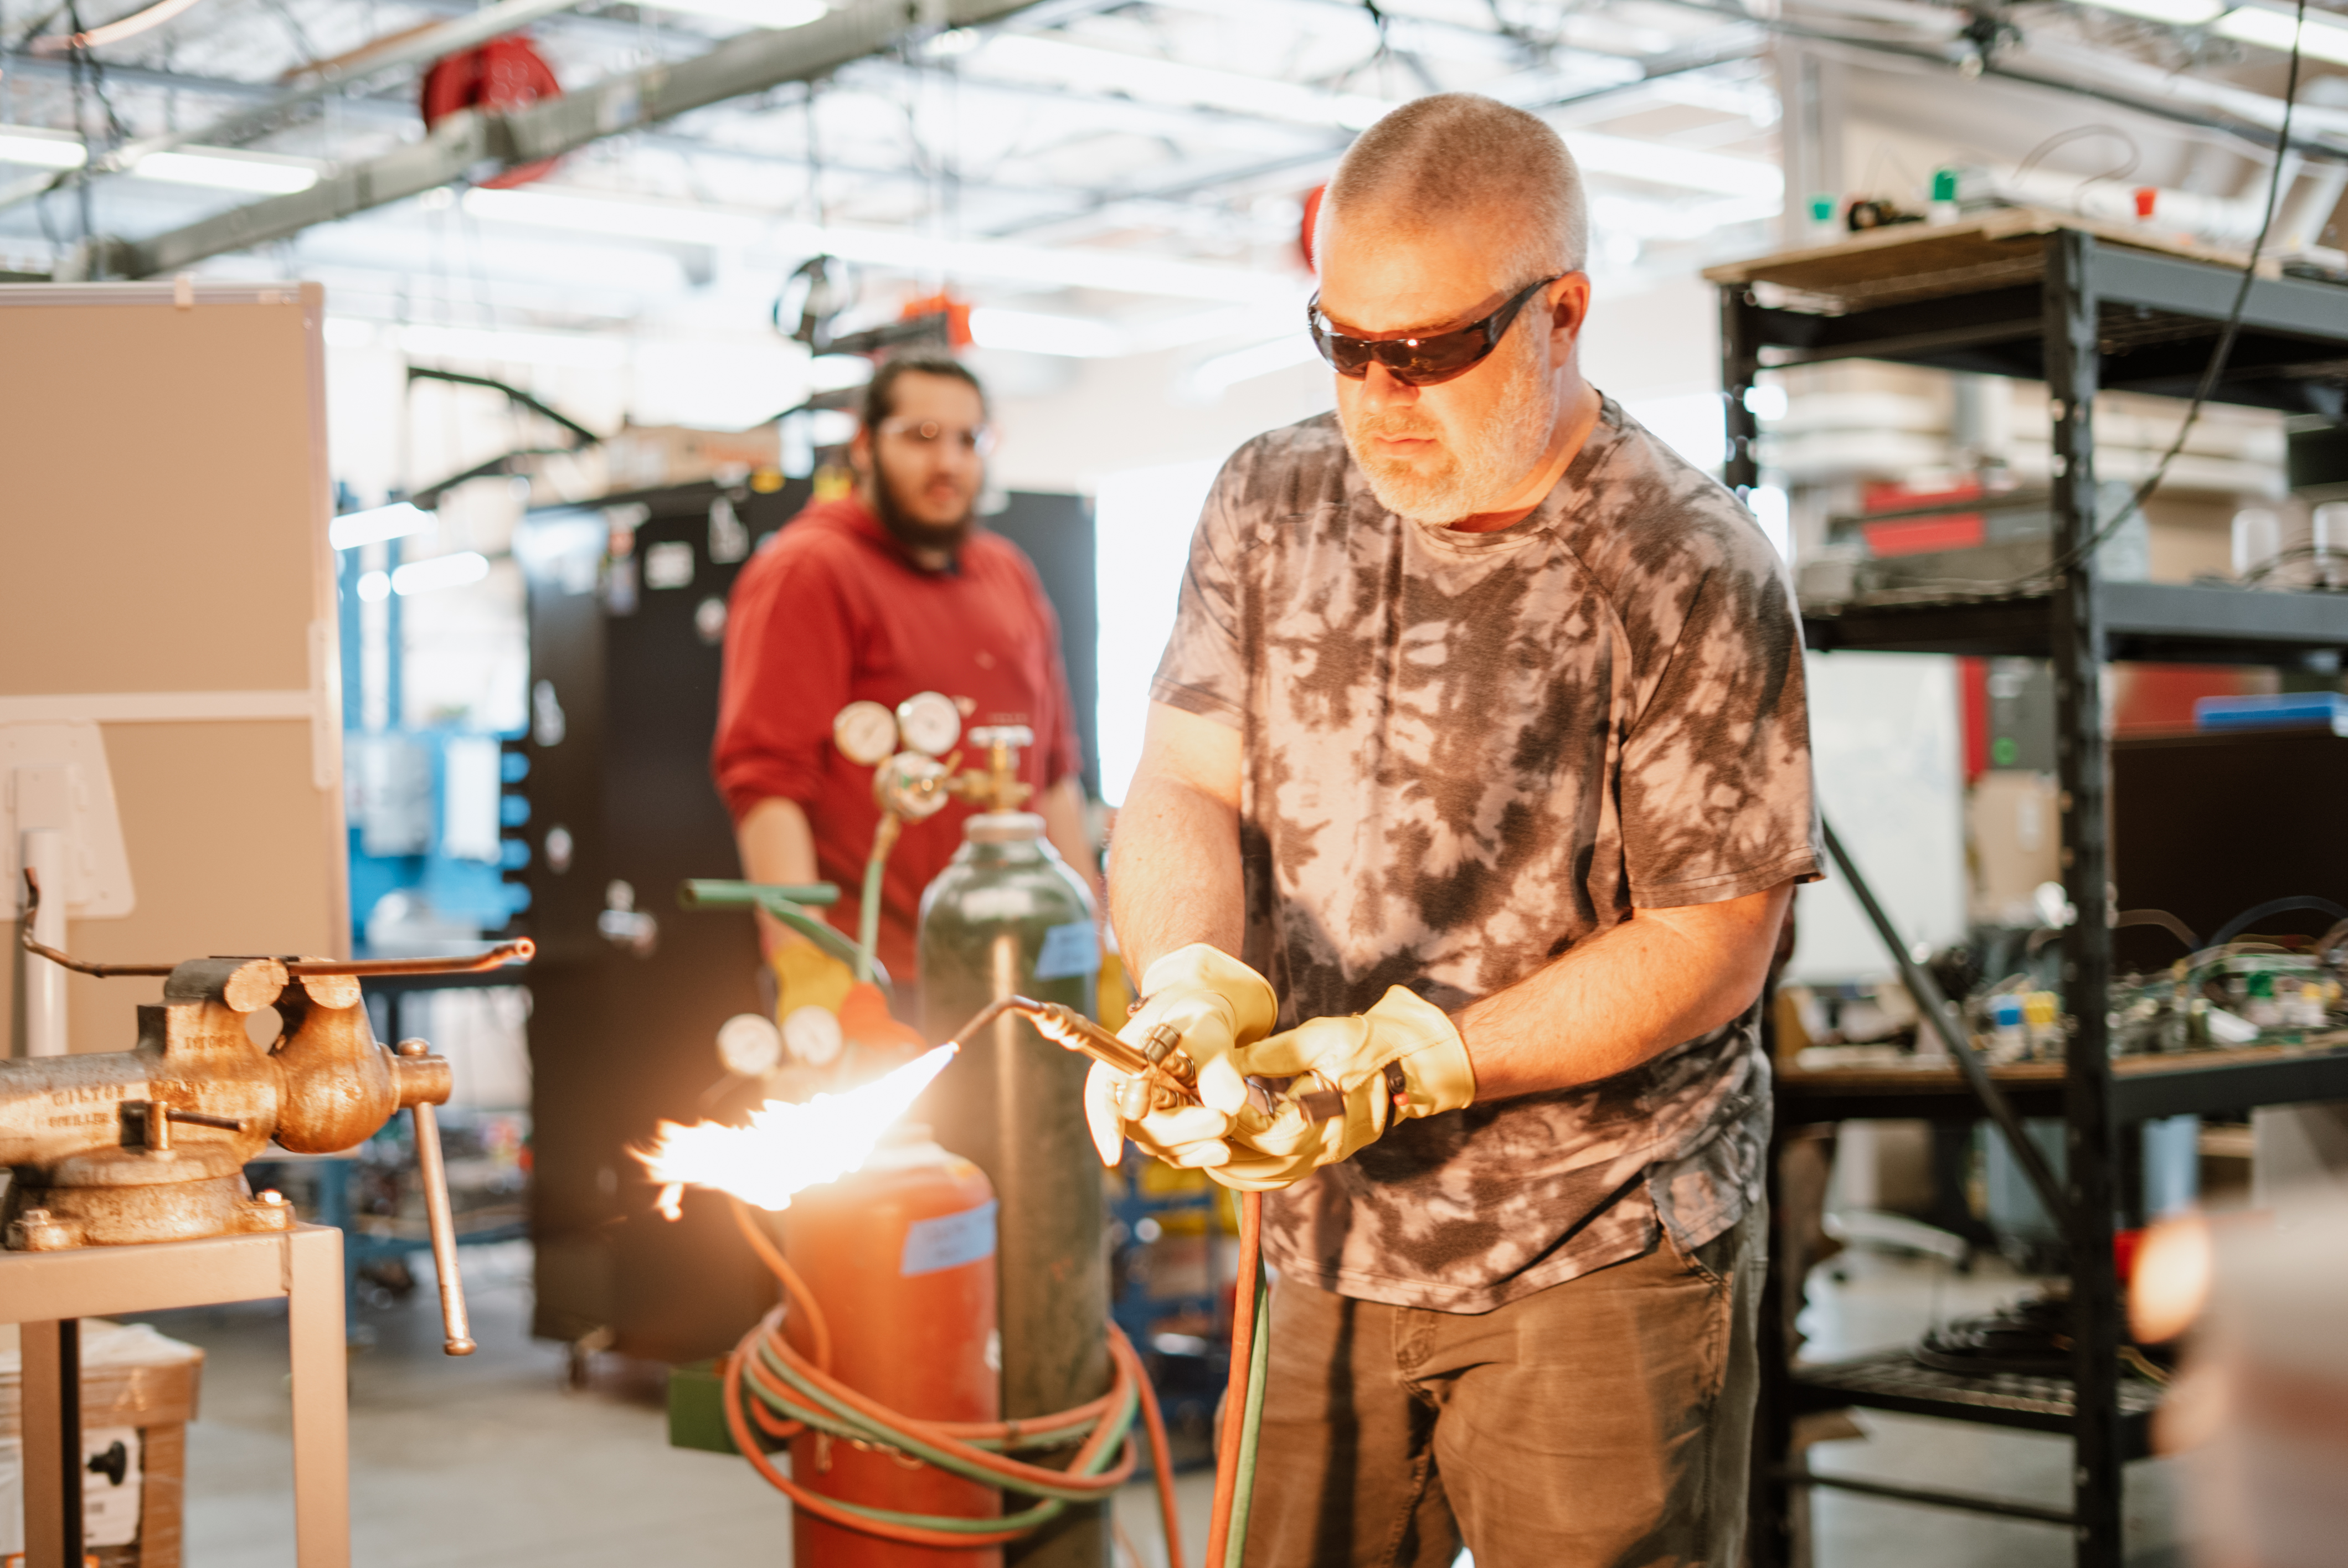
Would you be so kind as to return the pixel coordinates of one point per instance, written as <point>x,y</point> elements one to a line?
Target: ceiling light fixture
<point>2273,30</point>
<point>377,524</point>
<point>771,14</point>
<point>1034,332</point>
<point>1213,376</point>
<point>227,172</point>
<point>585,351</point>
<point>1038,266</point>
<point>1169,81</point>
<point>2175,12</point>
<point>440,571</point>
<point>40,149</point>
<point>1659,163</point>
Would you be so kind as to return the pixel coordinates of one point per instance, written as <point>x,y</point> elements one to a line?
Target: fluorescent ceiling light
<point>1039,266</point>
<point>440,571</point>
<point>216,168</point>
<point>227,172</point>
<point>1033,332</point>
<point>377,524</point>
<point>2175,12</point>
<point>774,14</point>
<point>2271,29</point>
<point>40,149</point>
<point>1675,218</point>
<point>1167,81</point>
<point>375,587</point>
<point>1245,364</point>
<point>585,351</point>
<point>1659,163</point>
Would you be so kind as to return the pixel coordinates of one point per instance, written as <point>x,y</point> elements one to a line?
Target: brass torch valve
<point>997,787</point>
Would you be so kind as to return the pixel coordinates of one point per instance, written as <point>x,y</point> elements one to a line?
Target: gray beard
<point>1498,456</point>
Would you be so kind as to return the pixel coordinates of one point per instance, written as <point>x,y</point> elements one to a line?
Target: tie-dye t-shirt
<point>1466,753</point>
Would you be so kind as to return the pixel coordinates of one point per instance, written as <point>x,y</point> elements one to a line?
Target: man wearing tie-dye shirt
<point>1477,784</point>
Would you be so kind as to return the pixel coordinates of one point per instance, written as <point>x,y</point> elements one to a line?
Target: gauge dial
<point>865,732</point>
<point>749,1044</point>
<point>929,722</point>
<point>812,1035</point>
<point>911,785</point>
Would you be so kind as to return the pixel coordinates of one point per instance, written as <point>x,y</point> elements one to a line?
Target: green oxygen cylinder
<point>1008,917</point>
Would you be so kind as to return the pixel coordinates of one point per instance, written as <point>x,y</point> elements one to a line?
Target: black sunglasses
<point>1424,360</point>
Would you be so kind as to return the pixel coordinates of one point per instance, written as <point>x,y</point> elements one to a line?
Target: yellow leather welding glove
<point>1400,1061</point>
<point>1214,1004</point>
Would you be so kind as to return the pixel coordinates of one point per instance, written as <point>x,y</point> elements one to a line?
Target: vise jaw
<point>149,1144</point>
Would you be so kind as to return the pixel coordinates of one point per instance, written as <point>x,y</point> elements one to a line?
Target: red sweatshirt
<point>832,610</point>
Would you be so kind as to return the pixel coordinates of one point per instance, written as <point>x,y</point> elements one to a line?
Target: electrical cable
<point>2220,351</point>
<point>2242,922</point>
<point>2042,581</point>
<point>774,1389</point>
<point>2077,133</point>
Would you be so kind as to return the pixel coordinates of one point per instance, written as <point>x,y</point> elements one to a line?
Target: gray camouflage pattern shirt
<point>1463,754</point>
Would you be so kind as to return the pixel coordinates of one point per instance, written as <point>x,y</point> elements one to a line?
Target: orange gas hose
<point>748,1364</point>
<point>1227,1445</point>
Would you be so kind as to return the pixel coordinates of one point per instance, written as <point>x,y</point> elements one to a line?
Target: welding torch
<point>1160,1075</point>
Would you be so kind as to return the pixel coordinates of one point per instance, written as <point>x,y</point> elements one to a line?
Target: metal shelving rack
<point>2044,298</point>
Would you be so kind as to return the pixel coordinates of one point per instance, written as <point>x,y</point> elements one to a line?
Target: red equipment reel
<point>502,74</point>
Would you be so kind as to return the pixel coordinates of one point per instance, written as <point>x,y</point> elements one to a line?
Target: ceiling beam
<point>487,23</point>
<point>472,143</point>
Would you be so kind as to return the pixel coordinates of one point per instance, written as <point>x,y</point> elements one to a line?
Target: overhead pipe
<point>462,143</point>
<point>495,21</point>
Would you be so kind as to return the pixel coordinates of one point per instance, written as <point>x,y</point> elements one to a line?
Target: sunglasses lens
<point>1347,355</point>
<point>1437,359</point>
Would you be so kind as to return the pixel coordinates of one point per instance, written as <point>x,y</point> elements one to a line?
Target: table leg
<point>52,1443</point>
<point>322,1496</point>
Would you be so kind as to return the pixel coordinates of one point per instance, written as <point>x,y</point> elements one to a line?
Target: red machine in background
<point>503,74</point>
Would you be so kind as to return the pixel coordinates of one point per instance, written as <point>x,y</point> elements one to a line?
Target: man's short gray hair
<point>1453,156</point>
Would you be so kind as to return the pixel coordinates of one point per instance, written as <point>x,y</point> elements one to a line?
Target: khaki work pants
<point>1602,1423</point>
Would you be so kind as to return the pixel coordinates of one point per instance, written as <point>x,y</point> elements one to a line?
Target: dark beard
<point>912,535</point>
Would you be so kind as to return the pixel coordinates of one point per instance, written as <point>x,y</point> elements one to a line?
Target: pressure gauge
<point>749,1044</point>
<point>929,722</point>
<point>911,785</point>
<point>865,732</point>
<point>811,1034</point>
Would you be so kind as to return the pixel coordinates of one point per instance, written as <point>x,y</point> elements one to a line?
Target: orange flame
<point>788,1148</point>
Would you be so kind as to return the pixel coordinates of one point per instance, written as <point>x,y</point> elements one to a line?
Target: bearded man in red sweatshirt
<point>892,590</point>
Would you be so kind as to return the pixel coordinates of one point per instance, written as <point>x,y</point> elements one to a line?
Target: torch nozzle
<point>1169,1072</point>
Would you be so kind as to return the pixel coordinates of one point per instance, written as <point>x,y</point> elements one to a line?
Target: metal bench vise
<point>149,1144</point>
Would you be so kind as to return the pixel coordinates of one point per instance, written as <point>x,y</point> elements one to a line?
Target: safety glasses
<point>928,435</point>
<point>1427,358</point>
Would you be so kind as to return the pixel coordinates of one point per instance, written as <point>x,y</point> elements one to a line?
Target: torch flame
<point>788,1148</point>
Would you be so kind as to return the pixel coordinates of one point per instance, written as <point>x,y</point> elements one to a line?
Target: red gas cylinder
<point>901,1256</point>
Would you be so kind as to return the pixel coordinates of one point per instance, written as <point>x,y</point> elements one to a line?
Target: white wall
<point>1884,739</point>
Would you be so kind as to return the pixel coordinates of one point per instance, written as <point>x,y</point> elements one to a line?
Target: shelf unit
<point>2046,300</point>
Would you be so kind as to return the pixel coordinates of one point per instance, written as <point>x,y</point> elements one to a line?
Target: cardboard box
<point>138,1390</point>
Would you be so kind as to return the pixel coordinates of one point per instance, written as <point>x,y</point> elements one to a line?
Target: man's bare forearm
<point>778,846</point>
<point>1625,997</point>
<point>1174,859</point>
<point>1062,807</point>
<point>1174,873</point>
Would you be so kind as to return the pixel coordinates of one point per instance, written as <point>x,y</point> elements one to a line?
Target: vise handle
<point>456,1330</point>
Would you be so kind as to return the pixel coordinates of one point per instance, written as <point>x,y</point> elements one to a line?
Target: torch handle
<point>433,1173</point>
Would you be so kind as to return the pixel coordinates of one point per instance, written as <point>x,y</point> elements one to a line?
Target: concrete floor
<point>491,1460</point>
